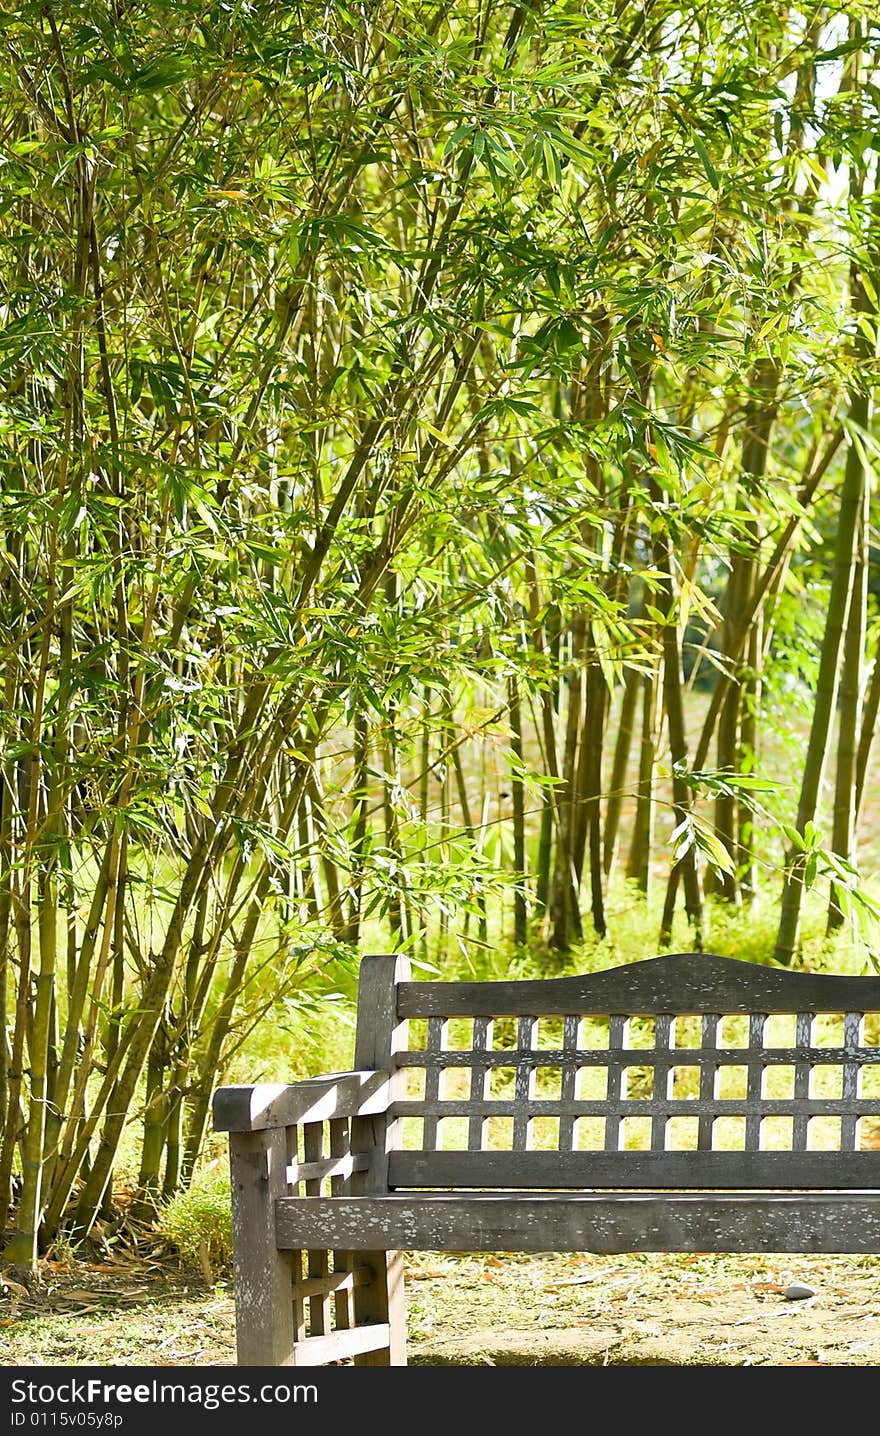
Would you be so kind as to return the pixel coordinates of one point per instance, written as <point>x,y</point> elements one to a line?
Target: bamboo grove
<point>436,480</point>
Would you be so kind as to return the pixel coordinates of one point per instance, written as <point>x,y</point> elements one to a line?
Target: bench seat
<point>811,1221</point>
<point>689,1103</point>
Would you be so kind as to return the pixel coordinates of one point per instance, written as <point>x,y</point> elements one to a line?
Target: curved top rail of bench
<point>682,983</point>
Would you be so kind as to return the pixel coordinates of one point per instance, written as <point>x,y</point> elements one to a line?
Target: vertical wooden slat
<point>437,1030</point>
<point>525,1082</point>
<point>479,1082</point>
<point>291,1138</point>
<point>297,1265</point>
<point>755,1082</point>
<point>708,1082</point>
<point>662,1079</point>
<point>263,1274</point>
<point>313,1151</point>
<point>318,1261</point>
<point>379,1036</point>
<point>618,1036</point>
<point>298,1271</point>
<point>853,1028</point>
<point>803,1041</point>
<point>339,1147</point>
<point>342,1260</point>
<point>568,1080</point>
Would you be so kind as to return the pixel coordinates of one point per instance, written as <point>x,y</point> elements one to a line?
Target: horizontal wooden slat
<point>643,1107</point>
<point>333,1281</point>
<point>316,1099</point>
<point>341,1345</point>
<point>641,1057</point>
<point>680,983</point>
<point>621,1222</point>
<point>328,1167</point>
<point>536,1170</point>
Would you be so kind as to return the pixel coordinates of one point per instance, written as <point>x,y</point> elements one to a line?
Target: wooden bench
<point>334,1177</point>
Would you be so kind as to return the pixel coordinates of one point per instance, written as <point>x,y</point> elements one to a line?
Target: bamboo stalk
<point>156,1110</point>
<point>851,500</point>
<point>642,843</point>
<point>564,909</point>
<point>868,730</point>
<point>673,697</point>
<point>843,830</point>
<point>588,813</point>
<point>619,768</point>
<point>520,901</point>
<point>746,860</point>
<point>360,820</point>
<point>771,575</point>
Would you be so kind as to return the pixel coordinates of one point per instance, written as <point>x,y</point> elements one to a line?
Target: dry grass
<point>503,1309</point>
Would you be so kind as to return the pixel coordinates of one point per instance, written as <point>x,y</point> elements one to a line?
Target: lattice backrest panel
<point>778,1066</point>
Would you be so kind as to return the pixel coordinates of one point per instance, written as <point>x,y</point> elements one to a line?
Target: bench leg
<point>286,1301</point>
<point>383,1300</point>
<point>263,1275</point>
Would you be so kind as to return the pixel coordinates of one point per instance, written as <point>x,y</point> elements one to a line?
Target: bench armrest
<point>316,1099</point>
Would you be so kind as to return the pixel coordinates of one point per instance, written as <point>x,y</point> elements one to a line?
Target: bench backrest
<point>688,1070</point>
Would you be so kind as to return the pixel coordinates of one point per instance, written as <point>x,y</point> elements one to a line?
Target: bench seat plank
<point>594,1222</point>
<point>536,1170</point>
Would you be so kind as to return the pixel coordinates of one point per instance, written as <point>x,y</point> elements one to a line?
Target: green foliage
<point>382,389</point>
<point>198,1221</point>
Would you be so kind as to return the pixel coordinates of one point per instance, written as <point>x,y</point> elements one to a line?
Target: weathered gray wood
<point>317,1262</point>
<point>479,1081</point>
<point>436,1060</point>
<point>297,1258</point>
<point>343,1167</point>
<point>336,1281</point>
<point>647,1107</point>
<point>379,1036</point>
<point>599,1170</point>
<point>804,1028</point>
<point>853,1028</point>
<point>602,1201</point>
<point>342,1345</point>
<point>618,1027</point>
<point>677,983</point>
<point>316,1099</point>
<point>568,1080</point>
<point>619,1222</point>
<point>662,1066</point>
<point>524,1083</point>
<point>643,1056</point>
<point>263,1275</point>
<point>708,1079</point>
<point>757,1024</point>
<point>340,1186</point>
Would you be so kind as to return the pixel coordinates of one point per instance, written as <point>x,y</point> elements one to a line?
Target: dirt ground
<point>498,1310</point>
